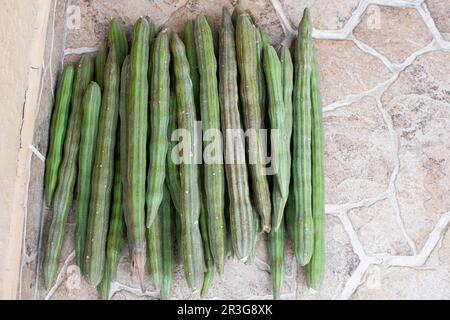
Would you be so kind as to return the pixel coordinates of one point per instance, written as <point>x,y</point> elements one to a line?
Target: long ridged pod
<point>100,61</point>
<point>151,39</point>
<point>168,241</point>
<point>213,174</point>
<point>102,174</point>
<point>116,233</point>
<point>277,265</point>
<point>241,211</point>
<point>89,127</point>
<point>257,234</point>
<point>193,258</point>
<point>62,200</point>
<point>191,54</point>
<point>280,120</point>
<point>215,35</point>
<point>248,61</point>
<point>315,269</point>
<point>172,169</point>
<point>137,124</point>
<point>301,160</point>
<point>118,38</point>
<point>123,131</point>
<point>159,121</point>
<point>237,11</point>
<point>58,132</point>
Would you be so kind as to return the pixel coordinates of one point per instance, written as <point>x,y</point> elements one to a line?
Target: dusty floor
<point>386,92</point>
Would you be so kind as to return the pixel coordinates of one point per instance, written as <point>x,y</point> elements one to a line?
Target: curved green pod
<point>301,160</point>
<point>213,173</point>
<point>58,132</point>
<point>315,269</point>
<point>100,61</point>
<point>89,128</point>
<point>118,38</point>
<point>159,121</point>
<point>277,264</point>
<point>240,209</point>
<point>172,169</point>
<point>191,241</point>
<point>102,174</point>
<point>116,232</point>
<point>247,58</point>
<point>168,242</point>
<point>137,123</point>
<point>260,74</point>
<point>151,39</point>
<point>62,200</point>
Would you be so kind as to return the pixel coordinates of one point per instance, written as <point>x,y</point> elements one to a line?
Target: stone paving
<point>385,67</point>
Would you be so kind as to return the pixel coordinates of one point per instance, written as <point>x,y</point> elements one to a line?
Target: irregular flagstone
<point>419,106</point>
<point>395,33</point>
<point>440,12</point>
<point>341,261</point>
<point>90,28</point>
<point>358,153</point>
<point>346,70</point>
<point>378,230</point>
<point>325,14</point>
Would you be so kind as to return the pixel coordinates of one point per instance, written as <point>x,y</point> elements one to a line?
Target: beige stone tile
<point>440,11</point>
<point>418,104</point>
<point>358,153</point>
<point>443,252</point>
<point>378,230</point>
<point>325,14</point>
<point>341,261</point>
<point>346,70</point>
<point>396,33</point>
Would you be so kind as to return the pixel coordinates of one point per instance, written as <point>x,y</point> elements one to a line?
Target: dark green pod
<point>137,123</point>
<point>100,61</point>
<point>247,58</point>
<point>213,173</point>
<point>159,121</point>
<point>209,260</point>
<point>301,160</point>
<point>191,54</point>
<point>315,269</point>
<point>63,196</point>
<point>240,209</point>
<point>58,132</point>
<point>118,38</point>
<point>89,127</point>
<point>191,241</point>
<point>102,174</point>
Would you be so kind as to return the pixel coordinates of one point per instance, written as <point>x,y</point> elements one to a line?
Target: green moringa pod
<point>89,127</point>
<point>58,132</point>
<point>116,232</point>
<point>191,54</point>
<point>137,123</point>
<point>159,122</point>
<point>118,38</point>
<point>315,269</point>
<point>247,58</point>
<point>301,160</point>
<point>240,209</point>
<point>213,172</point>
<point>191,241</point>
<point>102,174</point>
<point>62,200</point>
